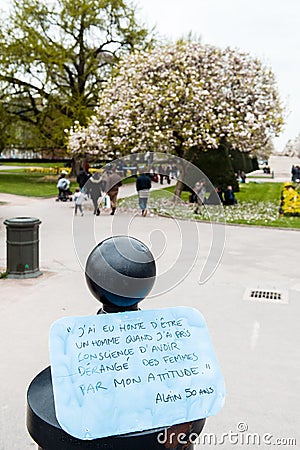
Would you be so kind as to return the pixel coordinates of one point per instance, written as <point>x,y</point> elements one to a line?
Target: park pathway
<point>256,341</point>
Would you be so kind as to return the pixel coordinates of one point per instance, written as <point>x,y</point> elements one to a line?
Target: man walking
<point>143,186</point>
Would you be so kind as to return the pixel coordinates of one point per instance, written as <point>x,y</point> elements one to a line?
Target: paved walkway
<point>257,343</point>
<point>280,166</point>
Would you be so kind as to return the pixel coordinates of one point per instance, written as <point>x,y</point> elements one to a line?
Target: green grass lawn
<point>31,185</point>
<point>19,182</point>
<point>2,170</point>
<point>31,164</point>
<point>259,192</point>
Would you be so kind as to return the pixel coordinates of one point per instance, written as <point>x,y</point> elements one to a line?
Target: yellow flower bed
<point>290,200</point>
<point>54,170</point>
<point>47,170</point>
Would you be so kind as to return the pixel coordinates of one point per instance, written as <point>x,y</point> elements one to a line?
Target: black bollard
<point>120,272</point>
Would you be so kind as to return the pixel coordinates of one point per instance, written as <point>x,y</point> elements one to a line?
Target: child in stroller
<point>63,186</point>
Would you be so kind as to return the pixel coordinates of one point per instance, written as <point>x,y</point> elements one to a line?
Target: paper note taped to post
<point>132,371</point>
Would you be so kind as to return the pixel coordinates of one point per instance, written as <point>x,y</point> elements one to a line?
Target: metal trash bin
<point>22,247</point>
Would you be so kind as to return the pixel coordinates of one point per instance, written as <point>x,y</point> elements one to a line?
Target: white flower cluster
<point>249,213</point>
<point>183,95</point>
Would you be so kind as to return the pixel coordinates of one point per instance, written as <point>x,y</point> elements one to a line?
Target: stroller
<point>64,195</point>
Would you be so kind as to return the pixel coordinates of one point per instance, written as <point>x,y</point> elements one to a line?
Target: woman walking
<point>93,186</point>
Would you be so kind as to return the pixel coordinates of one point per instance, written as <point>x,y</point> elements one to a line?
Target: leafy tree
<point>217,164</point>
<point>4,128</point>
<point>17,134</point>
<point>182,97</point>
<point>56,56</point>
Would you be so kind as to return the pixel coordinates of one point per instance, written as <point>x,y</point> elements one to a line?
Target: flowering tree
<point>183,96</point>
<point>292,147</point>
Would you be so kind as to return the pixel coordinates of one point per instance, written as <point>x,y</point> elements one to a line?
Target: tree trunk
<point>77,164</point>
<point>180,182</point>
<point>178,191</point>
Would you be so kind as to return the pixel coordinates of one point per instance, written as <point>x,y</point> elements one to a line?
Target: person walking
<point>143,186</point>
<point>82,178</point>
<point>79,198</point>
<point>103,181</point>
<point>114,181</point>
<point>93,187</point>
<point>243,177</point>
<point>161,173</point>
<point>199,195</point>
<point>293,172</point>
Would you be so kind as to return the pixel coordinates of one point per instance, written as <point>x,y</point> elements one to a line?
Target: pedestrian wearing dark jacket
<point>143,186</point>
<point>82,178</point>
<point>229,197</point>
<point>93,187</point>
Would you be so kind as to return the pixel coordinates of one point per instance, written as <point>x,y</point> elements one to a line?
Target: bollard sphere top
<point>121,271</point>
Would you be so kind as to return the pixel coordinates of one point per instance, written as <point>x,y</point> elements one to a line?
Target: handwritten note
<point>126,372</point>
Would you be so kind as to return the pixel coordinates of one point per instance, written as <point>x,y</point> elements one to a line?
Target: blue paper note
<point>132,371</point>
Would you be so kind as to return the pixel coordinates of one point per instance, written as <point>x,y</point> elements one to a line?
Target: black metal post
<point>106,262</point>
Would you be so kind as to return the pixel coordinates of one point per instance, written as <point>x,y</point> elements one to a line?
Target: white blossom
<point>182,95</point>
<point>292,147</point>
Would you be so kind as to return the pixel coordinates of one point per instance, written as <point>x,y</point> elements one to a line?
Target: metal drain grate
<point>266,295</point>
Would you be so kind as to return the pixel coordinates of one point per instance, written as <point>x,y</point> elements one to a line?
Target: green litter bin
<point>22,247</point>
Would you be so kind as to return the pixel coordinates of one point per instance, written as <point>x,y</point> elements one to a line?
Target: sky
<point>267,29</point>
